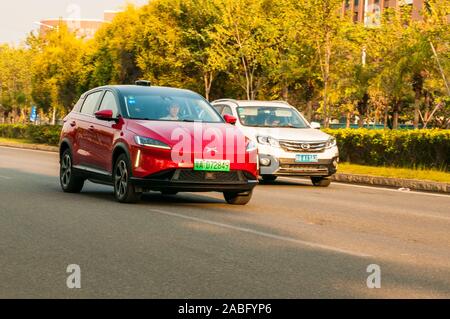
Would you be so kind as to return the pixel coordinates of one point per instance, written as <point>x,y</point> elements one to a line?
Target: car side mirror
<point>315,125</point>
<point>105,115</point>
<point>230,119</point>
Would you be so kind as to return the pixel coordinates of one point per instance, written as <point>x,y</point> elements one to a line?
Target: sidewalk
<point>412,184</point>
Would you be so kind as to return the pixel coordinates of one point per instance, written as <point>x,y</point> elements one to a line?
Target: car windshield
<point>267,116</point>
<point>176,107</point>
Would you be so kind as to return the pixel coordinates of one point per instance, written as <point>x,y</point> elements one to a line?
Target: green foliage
<point>417,148</point>
<point>304,52</point>
<point>42,134</point>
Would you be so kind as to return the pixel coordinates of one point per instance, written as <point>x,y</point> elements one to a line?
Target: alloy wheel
<point>66,170</point>
<point>121,179</point>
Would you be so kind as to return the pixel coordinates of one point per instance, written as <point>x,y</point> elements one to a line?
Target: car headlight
<point>251,146</point>
<point>267,140</point>
<point>331,142</point>
<point>147,141</point>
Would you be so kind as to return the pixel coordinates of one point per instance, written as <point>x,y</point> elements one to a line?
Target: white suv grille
<point>298,146</point>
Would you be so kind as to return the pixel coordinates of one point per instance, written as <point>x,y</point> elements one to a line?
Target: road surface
<point>292,241</point>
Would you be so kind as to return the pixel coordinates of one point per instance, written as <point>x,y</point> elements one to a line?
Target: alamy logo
<point>374,279</point>
<point>74,279</point>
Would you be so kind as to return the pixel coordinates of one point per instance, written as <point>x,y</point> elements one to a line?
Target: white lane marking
<point>264,234</point>
<point>375,188</point>
<point>5,177</point>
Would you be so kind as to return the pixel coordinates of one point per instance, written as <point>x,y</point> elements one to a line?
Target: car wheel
<point>70,183</point>
<point>321,181</point>
<point>124,190</point>
<point>238,198</point>
<point>269,178</point>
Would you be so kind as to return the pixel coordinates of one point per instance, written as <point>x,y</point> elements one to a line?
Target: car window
<point>227,111</point>
<point>109,103</point>
<point>176,107</point>
<point>270,116</point>
<point>90,103</point>
<point>218,108</point>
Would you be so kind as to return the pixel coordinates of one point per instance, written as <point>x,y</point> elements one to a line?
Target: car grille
<point>191,176</point>
<point>310,169</point>
<point>298,146</point>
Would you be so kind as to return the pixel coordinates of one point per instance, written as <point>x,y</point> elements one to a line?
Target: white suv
<point>288,145</point>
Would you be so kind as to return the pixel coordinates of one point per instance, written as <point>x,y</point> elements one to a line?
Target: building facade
<point>83,28</point>
<point>369,11</point>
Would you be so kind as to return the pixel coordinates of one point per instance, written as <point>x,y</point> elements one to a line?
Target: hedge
<point>398,148</point>
<point>415,148</point>
<point>45,134</point>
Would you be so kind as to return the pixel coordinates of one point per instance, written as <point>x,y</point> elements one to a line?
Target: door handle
<point>73,123</point>
<point>91,128</point>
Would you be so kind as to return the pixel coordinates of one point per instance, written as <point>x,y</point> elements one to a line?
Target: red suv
<point>140,138</point>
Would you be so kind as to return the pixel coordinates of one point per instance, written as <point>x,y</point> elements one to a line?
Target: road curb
<point>34,147</point>
<point>412,184</point>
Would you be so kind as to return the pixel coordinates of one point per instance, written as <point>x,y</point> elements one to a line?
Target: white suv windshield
<point>270,116</point>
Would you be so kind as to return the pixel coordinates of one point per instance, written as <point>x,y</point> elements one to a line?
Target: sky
<point>17,17</point>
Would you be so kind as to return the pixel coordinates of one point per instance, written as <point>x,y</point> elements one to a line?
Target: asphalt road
<point>292,241</point>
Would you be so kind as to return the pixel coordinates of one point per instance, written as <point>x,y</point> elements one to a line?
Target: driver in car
<point>174,110</point>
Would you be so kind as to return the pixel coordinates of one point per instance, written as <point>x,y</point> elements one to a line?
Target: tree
<point>321,21</point>
<point>15,81</point>
<point>56,69</point>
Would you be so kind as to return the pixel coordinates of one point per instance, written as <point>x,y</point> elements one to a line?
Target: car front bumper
<point>187,180</point>
<point>283,163</point>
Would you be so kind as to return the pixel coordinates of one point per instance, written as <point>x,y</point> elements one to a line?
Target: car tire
<point>233,198</point>
<point>70,183</point>
<point>269,178</point>
<point>124,190</point>
<point>321,181</point>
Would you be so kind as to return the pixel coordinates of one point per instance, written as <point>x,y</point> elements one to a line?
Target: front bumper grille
<point>303,147</point>
<point>312,169</point>
<point>191,176</point>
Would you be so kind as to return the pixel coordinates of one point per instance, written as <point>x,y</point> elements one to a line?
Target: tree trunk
<point>418,88</point>
<point>208,83</point>
<point>395,117</point>
<point>285,93</point>
<point>416,113</point>
<point>54,116</point>
<point>347,123</point>
<point>395,121</point>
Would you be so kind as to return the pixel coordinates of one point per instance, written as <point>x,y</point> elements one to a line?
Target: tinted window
<point>227,111</point>
<point>170,106</point>
<point>109,103</point>
<point>91,102</point>
<point>218,108</point>
<point>270,117</point>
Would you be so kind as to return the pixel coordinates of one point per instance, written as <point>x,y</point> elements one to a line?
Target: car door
<point>105,132</point>
<point>85,127</point>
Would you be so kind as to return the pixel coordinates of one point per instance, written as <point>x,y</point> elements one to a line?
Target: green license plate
<point>306,158</point>
<point>212,165</point>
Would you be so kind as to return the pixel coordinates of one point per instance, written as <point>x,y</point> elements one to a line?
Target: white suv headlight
<point>146,141</point>
<point>267,140</point>
<point>331,142</point>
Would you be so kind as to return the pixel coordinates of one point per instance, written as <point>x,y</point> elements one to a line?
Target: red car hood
<point>168,131</point>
